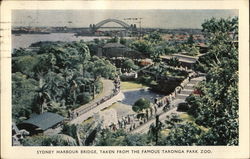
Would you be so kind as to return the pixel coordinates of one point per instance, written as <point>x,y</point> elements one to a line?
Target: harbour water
<point>25,40</point>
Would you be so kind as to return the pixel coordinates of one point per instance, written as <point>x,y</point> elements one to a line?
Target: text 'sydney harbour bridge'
<point>95,27</point>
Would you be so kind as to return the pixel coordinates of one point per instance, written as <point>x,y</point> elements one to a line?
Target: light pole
<point>140,22</point>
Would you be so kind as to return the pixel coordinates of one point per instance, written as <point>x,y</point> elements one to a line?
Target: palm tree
<point>154,130</point>
<point>42,98</point>
<point>73,89</point>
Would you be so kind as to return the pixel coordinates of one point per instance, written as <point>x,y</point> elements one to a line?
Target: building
<point>186,61</point>
<point>203,48</point>
<point>111,50</point>
<point>40,123</point>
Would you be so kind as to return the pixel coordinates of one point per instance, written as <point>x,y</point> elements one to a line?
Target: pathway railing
<point>160,106</point>
<point>87,107</point>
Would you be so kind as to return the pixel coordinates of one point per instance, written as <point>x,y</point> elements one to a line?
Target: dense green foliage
<point>54,140</point>
<point>23,92</point>
<point>222,35</point>
<point>141,104</point>
<point>186,134</point>
<point>150,46</point>
<point>154,131</point>
<point>217,107</point>
<point>55,78</point>
<point>129,65</point>
<point>174,62</point>
<point>162,78</point>
<point>121,138</point>
<point>163,70</point>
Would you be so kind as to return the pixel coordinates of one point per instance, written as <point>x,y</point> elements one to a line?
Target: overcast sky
<point>150,18</point>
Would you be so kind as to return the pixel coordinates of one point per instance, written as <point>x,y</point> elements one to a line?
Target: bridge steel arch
<point>101,23</point>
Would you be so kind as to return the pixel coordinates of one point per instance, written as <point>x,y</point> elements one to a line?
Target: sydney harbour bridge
<point>95,27</point>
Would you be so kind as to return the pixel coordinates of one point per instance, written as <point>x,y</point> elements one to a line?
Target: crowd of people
<point>131,122</point>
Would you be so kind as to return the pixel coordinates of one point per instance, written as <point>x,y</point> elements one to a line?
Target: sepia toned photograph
<point>124,78</point>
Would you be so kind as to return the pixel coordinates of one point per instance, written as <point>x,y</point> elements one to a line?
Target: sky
<point>168,19</point>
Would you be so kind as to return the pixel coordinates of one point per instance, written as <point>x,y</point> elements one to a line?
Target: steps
<point>186,91</point>
<point>182,96</point>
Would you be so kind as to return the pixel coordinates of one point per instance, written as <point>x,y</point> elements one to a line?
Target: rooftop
<point>113,45</point>
<point>45,120</point>
<point>181,58</point>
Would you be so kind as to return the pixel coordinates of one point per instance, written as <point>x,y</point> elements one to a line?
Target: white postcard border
<point>241,151</point>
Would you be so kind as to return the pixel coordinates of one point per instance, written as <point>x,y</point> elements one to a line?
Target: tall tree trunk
<point>157,129</point>
<point>78,138</point>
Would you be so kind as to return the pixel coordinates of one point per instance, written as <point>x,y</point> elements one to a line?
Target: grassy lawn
<point>131,85</point>
<point>188,118</point>
<point>165,132</point>
<point>89,120</point>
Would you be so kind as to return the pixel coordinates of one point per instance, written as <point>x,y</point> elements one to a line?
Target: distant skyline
<point>168,19</point>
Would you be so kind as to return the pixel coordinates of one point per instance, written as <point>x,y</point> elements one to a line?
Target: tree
<point>193,102</point>
<point>121,138</point>
<point>54,78</point>
<point>114,39</point>
<point>193,51</point>
<point>221,35</point>
<point>108,138</point>
<point>100,68</point>
<point>56,84</point>
<point>190,40</point>
<point>129,65</point>
<point>41,100</point>
<point>217,107</point>
<point>184,135</point>
<point>172,120</point>
<point>150,46</point>
<point>70,130</point>
<point>222,25</point>
<point>154,130</point>
<point>153,37</point>
<point>141,104</point>
<point>21,52</point>
<point>84,134</point>
<point>143,46</point>
<point>123,41</point>
<point>174,62</point>
<point>136,140</point>
<point>156,52</point>
<point>25,65</point>
<point>23,93</point>
<point>54,140</point>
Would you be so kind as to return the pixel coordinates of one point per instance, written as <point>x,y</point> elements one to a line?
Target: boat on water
<point>18,33</point>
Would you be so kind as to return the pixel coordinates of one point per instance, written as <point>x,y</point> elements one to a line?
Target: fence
<point>165,101</point>
<point>85,108</point>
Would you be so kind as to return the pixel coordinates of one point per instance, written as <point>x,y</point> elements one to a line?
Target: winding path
<point>108,87</point>
<point>89,109</point>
